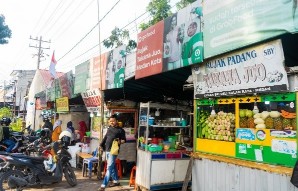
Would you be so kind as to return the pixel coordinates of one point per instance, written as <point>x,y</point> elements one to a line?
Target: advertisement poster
<point>172,43</point>
<point>81,76</point>
<point>95,127</point>
<point>66,85</point>
<point>149,51</point>
<point>183,37</point>
<point>115,68</point>
<point>130,67</point>
<point>258,69</point>
<point>97,70</point>
<point>235,24</point>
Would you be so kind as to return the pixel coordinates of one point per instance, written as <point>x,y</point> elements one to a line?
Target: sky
<point>68,27</point>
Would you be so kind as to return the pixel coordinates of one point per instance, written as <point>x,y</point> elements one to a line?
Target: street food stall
<point>245,120</point>
<point>163,145</point>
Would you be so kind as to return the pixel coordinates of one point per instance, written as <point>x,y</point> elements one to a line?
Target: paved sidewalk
<point>84,184</point>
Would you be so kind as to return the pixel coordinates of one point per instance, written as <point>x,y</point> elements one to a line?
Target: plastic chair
<point>118,167</point>
<point>132,179</point>
<point>94,163</point>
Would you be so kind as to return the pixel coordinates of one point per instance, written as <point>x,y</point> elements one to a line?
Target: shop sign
<point>92,99</point>
<point>62,104</point>
<point>283,146</point>
<point>235,24</point>
<point>171,43</point>
<point>245,134</point>
<point>258,69</point>
<point>81,75</point>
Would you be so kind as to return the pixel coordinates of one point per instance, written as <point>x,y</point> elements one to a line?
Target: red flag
<point>52,66</point>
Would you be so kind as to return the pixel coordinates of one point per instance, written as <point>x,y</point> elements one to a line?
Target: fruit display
<point>220,126</point>
<point>270,120</point>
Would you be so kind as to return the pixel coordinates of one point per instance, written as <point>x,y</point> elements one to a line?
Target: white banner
<point>256,69</point>
<point>92,100</point>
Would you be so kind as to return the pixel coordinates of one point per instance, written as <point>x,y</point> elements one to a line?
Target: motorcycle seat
<point>37,159</point>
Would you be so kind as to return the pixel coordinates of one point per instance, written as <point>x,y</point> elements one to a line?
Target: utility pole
<point>39,48</point>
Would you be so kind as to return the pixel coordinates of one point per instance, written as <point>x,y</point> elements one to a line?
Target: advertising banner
<point>81,75</point>
<point>130,66</point>
<point>172,43</point>
<point>66,85</point>
<point>235,24</point>
<point>258,69</point>
<point>115,67</point>
<point>62,104</point>
<point>97,71</point>
<point>92,100</point>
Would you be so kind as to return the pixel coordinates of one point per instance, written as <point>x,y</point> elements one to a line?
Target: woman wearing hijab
<point>82,129</point>
<point>71,129</point>
<point>56,130</point>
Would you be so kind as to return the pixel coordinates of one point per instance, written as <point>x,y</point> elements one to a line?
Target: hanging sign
<point>62,104</point>
<point>92,100</point>
<point>257,69</point>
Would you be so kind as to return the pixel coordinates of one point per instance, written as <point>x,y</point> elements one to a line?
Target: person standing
<point>113,132</point>
<point>56,130</point>
<point>82,130</point>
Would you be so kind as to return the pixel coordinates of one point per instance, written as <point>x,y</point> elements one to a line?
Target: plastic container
<point>151,121</point>
<point>166,145</point>
<point>172,140</point>
<point>88,133</point>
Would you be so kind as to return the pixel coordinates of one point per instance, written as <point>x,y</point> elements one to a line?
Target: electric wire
<point>89,31</point>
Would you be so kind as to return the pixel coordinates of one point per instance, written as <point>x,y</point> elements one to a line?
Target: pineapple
<point>243,122</point>
<point>269,123</point>
<point>294,124</point>
<point>286,123</point>
<point>250,122</point>
<point>278,123</point>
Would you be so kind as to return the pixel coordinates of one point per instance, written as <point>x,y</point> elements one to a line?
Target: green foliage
<point>5,32</point>
<point>5,112</point>
<point>159,10</point>
<point>118,38</point>
<point>183,3</point>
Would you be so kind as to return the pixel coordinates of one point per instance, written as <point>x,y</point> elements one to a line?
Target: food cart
<point>162,156</point>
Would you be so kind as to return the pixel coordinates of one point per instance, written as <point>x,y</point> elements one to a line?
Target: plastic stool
<point>85,166</point>
<point>118,167</point>
<point>132,179</point>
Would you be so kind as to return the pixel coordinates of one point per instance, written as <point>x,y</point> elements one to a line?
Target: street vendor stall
<point>163,146</point>
<point>245,121</point>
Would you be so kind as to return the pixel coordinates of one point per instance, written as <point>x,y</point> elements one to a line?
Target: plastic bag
<point>294,178</point>
<point>115,148</point>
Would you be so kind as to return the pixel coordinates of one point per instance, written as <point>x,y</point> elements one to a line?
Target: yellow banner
<point>62,104</point>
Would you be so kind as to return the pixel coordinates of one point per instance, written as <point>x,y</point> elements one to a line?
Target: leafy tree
<point>118,38</point>
<point>158,10</point>
<point>5,112</point>
<point>5,32</point>
<point>183,3</point>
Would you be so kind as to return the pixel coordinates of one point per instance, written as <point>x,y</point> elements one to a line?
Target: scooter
<point>30,171</point>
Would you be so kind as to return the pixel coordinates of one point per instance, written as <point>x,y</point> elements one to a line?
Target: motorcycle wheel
<point>4,185</point>
<point>70,176</point>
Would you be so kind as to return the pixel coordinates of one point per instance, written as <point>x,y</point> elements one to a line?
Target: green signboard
<point>230,25</point>
<point>81,76</point>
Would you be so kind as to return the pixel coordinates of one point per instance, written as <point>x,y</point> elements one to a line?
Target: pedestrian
<point>71,129</point>
<point>56,130</point>
<point>82,129</point>
<point>114,132</point>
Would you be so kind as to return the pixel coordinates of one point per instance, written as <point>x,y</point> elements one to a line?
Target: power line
<point>89,31</point>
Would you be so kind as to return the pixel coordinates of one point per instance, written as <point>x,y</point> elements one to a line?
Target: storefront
<point>245,121</point>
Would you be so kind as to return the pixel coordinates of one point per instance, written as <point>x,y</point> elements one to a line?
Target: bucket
<point>154,140</point>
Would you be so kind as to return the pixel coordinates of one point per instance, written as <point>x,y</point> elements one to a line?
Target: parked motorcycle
<point>26,171</point>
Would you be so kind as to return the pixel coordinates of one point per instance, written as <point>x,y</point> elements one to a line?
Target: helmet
<point>65,138</point>
<point>6,121</point>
